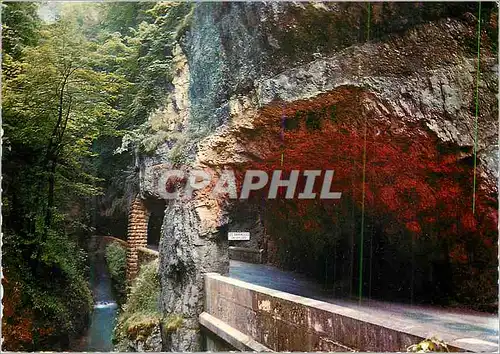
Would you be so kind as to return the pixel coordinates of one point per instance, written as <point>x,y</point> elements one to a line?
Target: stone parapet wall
<point>136,244</point>
<point>240,313</point>
<point>110,239</point>
<point>146,255</point>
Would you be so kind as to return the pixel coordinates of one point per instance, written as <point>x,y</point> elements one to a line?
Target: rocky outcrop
<point>188,249</point>
<point>148,341</point>
<point>241,67</point>
<point>411,81</point>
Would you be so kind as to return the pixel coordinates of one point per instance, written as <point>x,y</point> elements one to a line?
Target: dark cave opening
<point>405,193</point>
<point>156,210</point>
<point>399,266</point>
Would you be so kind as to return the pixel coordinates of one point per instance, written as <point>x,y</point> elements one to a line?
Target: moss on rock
<point>141,313</point>
<point>172,323</point>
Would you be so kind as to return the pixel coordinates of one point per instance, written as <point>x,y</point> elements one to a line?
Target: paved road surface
<point>457,322</point>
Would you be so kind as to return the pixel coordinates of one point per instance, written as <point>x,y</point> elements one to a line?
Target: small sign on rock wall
<point>238,236</point>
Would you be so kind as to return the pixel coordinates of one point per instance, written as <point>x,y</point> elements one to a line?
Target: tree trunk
<point>51,160</point>
<point>50,197</point>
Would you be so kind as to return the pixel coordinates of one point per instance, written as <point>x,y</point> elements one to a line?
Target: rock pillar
<point>191,245</point>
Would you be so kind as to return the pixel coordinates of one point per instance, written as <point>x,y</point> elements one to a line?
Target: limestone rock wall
<point>188,249</point>
<point>237,59</point>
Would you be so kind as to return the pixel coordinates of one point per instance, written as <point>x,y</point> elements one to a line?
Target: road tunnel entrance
<point>404,228</point>
<point>156,210</point>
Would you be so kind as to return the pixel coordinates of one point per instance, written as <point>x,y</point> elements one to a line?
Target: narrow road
<point>461,323</point>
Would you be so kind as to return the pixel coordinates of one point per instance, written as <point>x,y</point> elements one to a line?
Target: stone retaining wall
<point>137,235</point>
<point>110,239</point>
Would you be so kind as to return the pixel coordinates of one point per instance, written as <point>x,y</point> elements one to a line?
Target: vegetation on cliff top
<point>168,23</point>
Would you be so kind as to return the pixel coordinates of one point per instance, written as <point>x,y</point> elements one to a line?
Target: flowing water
<point>100,332</point>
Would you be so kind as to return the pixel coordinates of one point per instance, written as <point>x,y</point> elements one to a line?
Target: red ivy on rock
<point>412,179</point>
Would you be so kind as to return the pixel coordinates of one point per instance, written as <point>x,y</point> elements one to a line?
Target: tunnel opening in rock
<point>245,217</point>
<point>156,209</point>
<point>404,228</point>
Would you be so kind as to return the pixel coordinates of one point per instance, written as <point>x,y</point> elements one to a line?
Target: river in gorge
<point>98,337</point>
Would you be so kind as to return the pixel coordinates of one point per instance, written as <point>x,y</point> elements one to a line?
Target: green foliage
<point>137,42</point>
<point>428,345</point>
<point>65,299</point>
<point>58,100</point>
<point>145,56</point>
<point>145,291</point>
<point>153,141</point>
<point>155,42</point>
<point>116,260</point>
<point>59,104</point>
<point>124,17</point>
<point>178,152</point>
<point>141,312</point>
<point>20,23</point>
<point>55,292</point>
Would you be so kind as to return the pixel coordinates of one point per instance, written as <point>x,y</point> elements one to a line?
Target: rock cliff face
<point>398,79</point>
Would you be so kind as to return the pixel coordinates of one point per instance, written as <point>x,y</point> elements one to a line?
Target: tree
<point>56,103</point>
<point>59,105</point>
<point>20,24</point>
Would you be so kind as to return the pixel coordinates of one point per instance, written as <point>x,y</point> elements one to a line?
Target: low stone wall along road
<point>475,331</point>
